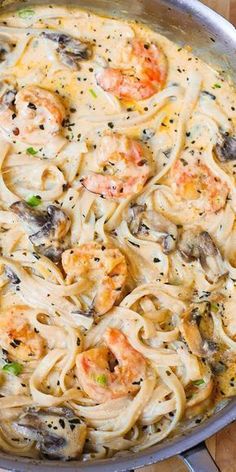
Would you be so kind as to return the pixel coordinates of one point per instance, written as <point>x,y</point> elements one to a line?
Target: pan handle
<point>198,459</point>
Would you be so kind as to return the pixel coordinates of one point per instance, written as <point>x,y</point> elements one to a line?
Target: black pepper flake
<point>32,106</point>
<point>134,244</point>
<point>110,124</point>
<point>156,259</point>
<point>41,127</point>
<point>62,423</point>
<point>74,421</point>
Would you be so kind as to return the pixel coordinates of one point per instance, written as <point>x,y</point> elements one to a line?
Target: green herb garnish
<point>13,368</point>
<point>26,13</point>
<point>214,307</point>
<point>101,379</point>
<point>93,93</point>
<point>34,201</point>
<point>31,151</point>
<point>216,86</point>
<point>198,382</point>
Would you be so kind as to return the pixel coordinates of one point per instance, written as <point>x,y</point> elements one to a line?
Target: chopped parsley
<point>101,380</point>
<point>26,13</point>
<point>198,382</point>
<point>13,368</point>
<point>93,93</point>
<point>31,151</point>
<point>34,201</point>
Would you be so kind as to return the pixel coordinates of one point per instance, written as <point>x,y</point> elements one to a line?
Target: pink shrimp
<point>18,337</point>
<point>194,181</point>
<point>98,380</point>
<point>124,168</point>
<point>32,115</point>
<point>105,267</point>
<point>151,71</point>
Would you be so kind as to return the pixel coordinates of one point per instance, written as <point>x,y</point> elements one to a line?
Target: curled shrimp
<point>196,182</point>
<point>31,115</point>
<point>18,337</point>
<point>150,66</point>
<point>99,380</point>
<point>105,267</point>
<point>122,167</point>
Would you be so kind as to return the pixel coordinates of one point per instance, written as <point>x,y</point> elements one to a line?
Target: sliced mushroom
<point>191,334</point>
<point>70,50</point>
<point>198,245</point>
<point>8,99</point>
<point>5,48</point>
<point>150,225</point>
<point>14,279</point>
<point>189,329</point>
<point>46,230</point>
<point>225,149</point>
<point>58,432</point>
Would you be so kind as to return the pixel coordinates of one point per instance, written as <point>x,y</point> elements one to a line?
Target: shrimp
<point>195,181</point>
<point>103,266</point>
<point>150,64</point>
<point>18,337</point>
<point>123,165</point>
<point>99,380</point>
<point>32,115</point>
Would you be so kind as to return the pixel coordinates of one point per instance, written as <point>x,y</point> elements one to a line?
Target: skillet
<point>213,39</point>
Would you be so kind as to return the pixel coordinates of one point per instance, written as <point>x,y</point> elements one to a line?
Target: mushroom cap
<point>58,432</point>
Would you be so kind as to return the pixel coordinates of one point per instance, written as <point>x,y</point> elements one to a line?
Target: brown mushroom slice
<point>199,346</point>
<point>198,245</point>
<point>70,50</point>
<point>225,149</point>
<point>5,48</point>
<point>155,227</point>
<point>58,432</point>
<point>191,334</point>
<point>46,230</point>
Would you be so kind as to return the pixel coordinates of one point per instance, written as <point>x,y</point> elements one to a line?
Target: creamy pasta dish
<point>117,236</point>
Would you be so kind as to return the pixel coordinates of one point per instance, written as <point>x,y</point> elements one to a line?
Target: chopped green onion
<point>26,13</point>
<point>34,201</point>
<point>214,307</point>
<point>31,151</point>
<point>101,379</point>
<point>13,368</point>
<point>93,93</point>
<point>215,86</point>
<point>198,382</point>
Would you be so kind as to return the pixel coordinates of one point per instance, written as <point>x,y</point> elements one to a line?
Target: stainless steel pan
<point>213,39</point>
